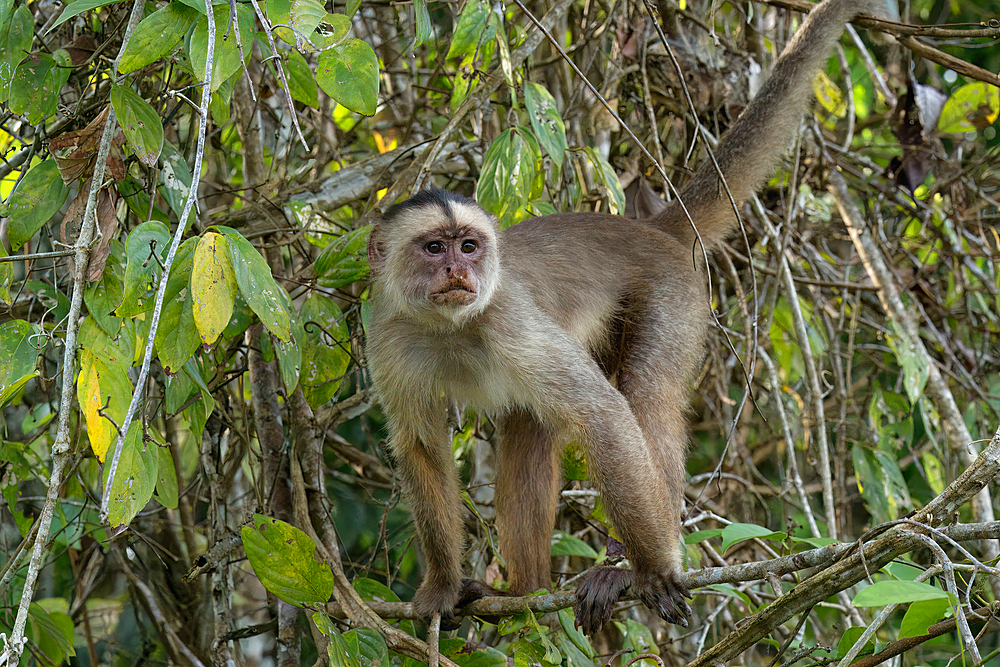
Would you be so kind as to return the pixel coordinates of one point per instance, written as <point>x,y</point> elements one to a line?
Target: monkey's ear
<point>376,252</point>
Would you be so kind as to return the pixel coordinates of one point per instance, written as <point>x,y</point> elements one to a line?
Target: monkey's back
<point>588,271</point>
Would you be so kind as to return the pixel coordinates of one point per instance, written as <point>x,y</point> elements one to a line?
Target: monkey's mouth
<point>455,294</point>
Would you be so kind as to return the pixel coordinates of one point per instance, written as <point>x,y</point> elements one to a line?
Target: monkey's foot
<point>430,600</point>
<point>599,590</point>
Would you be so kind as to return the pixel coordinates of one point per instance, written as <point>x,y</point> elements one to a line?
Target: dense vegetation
<point>192,463</point>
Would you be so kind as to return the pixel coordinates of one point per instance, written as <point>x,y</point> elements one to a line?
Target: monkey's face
<point>437,259</point>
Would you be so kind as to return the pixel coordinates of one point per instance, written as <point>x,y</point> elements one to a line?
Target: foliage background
<point>256,401</point>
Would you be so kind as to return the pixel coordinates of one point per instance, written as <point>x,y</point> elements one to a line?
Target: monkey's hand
<point>599,590</point>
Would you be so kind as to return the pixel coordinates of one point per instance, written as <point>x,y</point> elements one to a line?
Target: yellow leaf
<point>213,287</point>
<point>100,385</point>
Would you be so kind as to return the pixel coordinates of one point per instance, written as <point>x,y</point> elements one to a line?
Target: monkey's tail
<point>749,152</point>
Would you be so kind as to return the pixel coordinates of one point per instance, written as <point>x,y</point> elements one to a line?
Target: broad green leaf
<point>36,84</point>
<point>6,275</point>
<point>52,632</point>
<point>156,36</point>
<point>324,355</point>
<point>175,178</point>
<point>894,591</point>
<point>289,354</point>
<point>166,479</point>
<point>567,545</point>
<point>850,638</point>
<point>507,176</point>
<point>38,197</point>
<point>915,371</point>
<point>474,29</point>
<point>921,615</point>
<point>227,53</point>
<point>17,358</point>
<point>78,7</point>
<point>604,171</point>
<point>16,32</point>
<point>973,106</point>
<point>213,286</point>
<point>301,80</point>
<point>264,296</point>
<point>140,122</point>
<point>345,260</point>
<point>481,657</point>
<point>279,13</point>
<point>135,478</point>
<point>145,248</point>
<point>339,652</point>
<point>348,73</point>
<point>177,336</point>
<point>104,296</point>
<point>351,8</point>
<point>423,22</point>
<point>305,16</point>
<point>738,532</point>
<point>637,637</point>
<point>880,482</point>
<point>935,472</point>
<point>116,349</point>
<point>284,559</point>
<point>102,388</point>
<point>568,623</point>
<point>702,535</point>
<point>546,122</point>
<point>815,542</point>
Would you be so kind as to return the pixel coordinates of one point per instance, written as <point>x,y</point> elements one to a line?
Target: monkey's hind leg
<point>527,487</point>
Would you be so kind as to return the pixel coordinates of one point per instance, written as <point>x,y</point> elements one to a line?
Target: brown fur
<point>577,322</point>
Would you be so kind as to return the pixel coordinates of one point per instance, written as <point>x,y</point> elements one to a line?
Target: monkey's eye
<point>434,247</point>
<point>469,246</point>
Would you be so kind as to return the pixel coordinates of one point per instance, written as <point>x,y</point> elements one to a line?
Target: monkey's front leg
<point>430,484</point>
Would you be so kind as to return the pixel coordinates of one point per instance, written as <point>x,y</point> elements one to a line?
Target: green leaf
<point>508,173</point>
<point>52,632</point>
<point>226,61</point>
<point>345,260</point>
<point>604,171</point>
<point>264,296</point>
<point>567,545</point>
<point>915,371</point>
<point>145,244</point>
<point>921,615</point>
<point>301,80</point>
<point>177,336</point>
<point>893,591</point>
<point>474,29</point>
<point>971,107</point>
<point>104,296</point>
<point>935,472</point>
<point>78,7</point>
<point>423,22</point>
<point>17,358</point>
<point>166,479</point>
<point>16,32</point>
<point>546,122</point>
<point>156,36</point>
<point>372,590</point>
<point>102,387</point>
<point>284,559</point>
<point>738,532</point>
<point>850,638</point>
<point>568,623</point>
<point>348,73</point>
<point>213,286</point>
<point>702,535</point>
<point>324,357</point>
<point>38,197</point>
<point>815,542</point>
<point>289,353</point>
<point>135,478</point>
<point>140,122</point>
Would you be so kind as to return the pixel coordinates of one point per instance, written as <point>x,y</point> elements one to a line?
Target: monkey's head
<point>436,255</point>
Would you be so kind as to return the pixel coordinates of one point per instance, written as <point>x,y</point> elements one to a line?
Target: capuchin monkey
<point>575,323</point>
